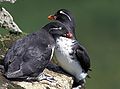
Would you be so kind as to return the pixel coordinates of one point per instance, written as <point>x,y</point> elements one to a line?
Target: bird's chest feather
<point>62,51</point>
<point>63,48</point>
<point>66,57</point>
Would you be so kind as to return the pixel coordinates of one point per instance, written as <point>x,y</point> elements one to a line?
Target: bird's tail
<point>2,68</point>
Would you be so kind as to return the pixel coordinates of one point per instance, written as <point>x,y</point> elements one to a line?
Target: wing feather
<point>82,57</point>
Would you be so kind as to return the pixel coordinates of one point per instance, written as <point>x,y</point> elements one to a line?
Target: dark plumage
<point>82,56</point>
<point>30,55</point>
<point>77,53</point>
<point>66,17</point>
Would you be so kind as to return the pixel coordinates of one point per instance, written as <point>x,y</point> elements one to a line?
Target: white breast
<point>62,52</point>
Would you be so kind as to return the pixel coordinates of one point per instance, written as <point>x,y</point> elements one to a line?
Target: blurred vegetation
<point>97,28</point>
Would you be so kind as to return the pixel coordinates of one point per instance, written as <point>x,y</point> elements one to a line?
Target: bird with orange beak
<point>70,54</point>
<point>66,18</point>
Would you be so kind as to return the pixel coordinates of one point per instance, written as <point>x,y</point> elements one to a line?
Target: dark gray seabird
<point>28,57</point>
<point>71,55</point>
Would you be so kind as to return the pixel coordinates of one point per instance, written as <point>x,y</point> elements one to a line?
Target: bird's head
<point>65,17</point>
<point>57,29</point>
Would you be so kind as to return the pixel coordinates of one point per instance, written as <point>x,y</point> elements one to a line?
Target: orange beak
<point>51,17</point>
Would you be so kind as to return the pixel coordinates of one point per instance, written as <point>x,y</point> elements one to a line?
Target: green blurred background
<point>97,28</point>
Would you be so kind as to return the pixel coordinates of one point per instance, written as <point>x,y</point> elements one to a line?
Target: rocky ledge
<point>62,80</point>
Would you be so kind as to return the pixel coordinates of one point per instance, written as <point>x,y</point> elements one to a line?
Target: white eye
<point>61,12</point>
<point>65,15</point>
<point>60,28</point>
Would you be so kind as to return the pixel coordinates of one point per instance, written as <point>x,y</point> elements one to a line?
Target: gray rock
<point>6,84</point>
<point>62,81</point>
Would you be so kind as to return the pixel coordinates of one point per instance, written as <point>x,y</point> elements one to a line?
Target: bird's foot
<point>41,77</point>
<point>45,77</point>
<point>79,87</point>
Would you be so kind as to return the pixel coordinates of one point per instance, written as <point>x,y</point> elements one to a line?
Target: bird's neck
<point>64,42</point>
<point>69,25</point>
